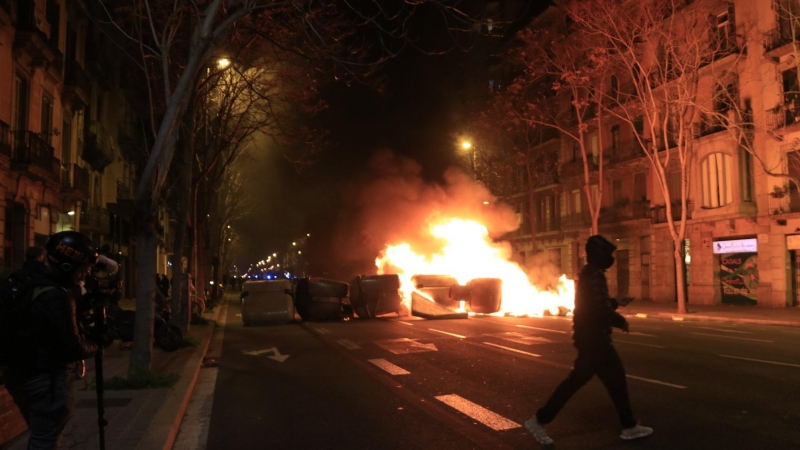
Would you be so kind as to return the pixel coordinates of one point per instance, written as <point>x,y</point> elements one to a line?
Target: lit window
<point>715,173</point>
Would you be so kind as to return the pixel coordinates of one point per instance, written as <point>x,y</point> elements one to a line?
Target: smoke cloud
<point>392,204</point>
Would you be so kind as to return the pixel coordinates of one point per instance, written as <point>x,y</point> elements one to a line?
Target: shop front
<point>793,245</point>
<point>738,270</point>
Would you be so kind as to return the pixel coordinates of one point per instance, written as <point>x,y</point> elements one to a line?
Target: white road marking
<point>403,346</point>
<point>404,322</point>
<point>447,333</point>
<point>321,330</point>
<point>732,337</point>
<point>677,318</point>
<point>761,361</point>
<point>636,333</point>
<point>677,386</point>
<point>511,349</point>
<point>647,327</point>
<point>277,355</point>
<point>350,345</point>
<point>542,329</point>
<point>477,412</point>
<point>639,343</point>
<point>641,315</point>
<point>389,367</point>
<point>725,331</point>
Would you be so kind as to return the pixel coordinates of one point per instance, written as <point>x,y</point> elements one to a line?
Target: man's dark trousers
<point>46,404</point>
<point>595,359</point>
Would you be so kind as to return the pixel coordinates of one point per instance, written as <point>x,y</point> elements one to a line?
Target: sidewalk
<point>146,419</point>
<point>725,313</point>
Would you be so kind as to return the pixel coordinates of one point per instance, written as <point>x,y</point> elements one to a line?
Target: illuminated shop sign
<point>736,246</point>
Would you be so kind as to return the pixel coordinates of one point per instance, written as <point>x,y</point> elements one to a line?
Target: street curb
<point>691,316</point>
<point>164,428</point>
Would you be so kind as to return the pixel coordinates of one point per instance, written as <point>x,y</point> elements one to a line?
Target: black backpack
<point>17,343</point>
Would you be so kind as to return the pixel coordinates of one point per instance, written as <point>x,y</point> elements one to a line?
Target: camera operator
<point>41,382</point>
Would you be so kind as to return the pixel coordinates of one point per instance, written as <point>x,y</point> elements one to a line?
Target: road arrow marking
<point>403,346</point>
<point>277,357</point>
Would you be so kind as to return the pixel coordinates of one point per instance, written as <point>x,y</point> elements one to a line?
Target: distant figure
<point>164,286</point>
<point>595,314</point>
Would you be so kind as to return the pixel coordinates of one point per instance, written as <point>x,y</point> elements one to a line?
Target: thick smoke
<point>393,204</point>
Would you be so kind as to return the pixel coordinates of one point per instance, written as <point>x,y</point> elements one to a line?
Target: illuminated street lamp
<point>294,243</point>
<point>467,146</point>
<point>223,63</point>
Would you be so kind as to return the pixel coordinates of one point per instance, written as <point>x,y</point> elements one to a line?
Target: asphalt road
<point>406,383</point>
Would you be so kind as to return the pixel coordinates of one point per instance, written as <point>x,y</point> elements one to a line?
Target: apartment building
<point>742,243</point>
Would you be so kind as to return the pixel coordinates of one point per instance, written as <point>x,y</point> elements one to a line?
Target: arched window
<point>715,174</point>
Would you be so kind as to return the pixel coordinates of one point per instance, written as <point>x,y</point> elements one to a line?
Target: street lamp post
<point>467,145</point>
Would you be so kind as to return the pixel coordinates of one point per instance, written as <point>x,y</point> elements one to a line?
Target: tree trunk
<point>181,307</point>
<point>142,348</point>
<point>680,277</point>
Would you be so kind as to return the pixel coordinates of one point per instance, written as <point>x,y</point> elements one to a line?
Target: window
<point>576,151</point>
<point>640,187</point>
<point>46,128</point>
<point>674,186</point>
<point>614,87</point>
<point>725,97</point>
<point>746,166</point>
<point>66,141</point>
<point>723,35</point>
<point>20,112</point>
<point>617,192</point>
<point>576,201</point>
<point>715,174</point>
<point>614,141</point>
<point>593,146</point>
<point>563,206</point>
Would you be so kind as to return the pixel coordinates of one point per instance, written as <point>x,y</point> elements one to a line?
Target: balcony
<point>575,220</point>
<point>30,39</point>
<point>779,37</point>
<point>32,154</point>
<point>131,141</point>
<point>625,210</point>
<point>660,212</point>
<point>77,86</point>
<point>625,152</point>
<point>75,182</point>
<point>98,148</point>
<point>124,191</point>
<point>5,139</point>
<point>95,220</point>
<point>782,116</point>
<point>708,125</point>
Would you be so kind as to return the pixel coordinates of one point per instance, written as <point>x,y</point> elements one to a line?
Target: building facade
<point>742,243</point>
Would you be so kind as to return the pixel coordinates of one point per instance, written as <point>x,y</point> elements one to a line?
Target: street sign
<point>736,246</point>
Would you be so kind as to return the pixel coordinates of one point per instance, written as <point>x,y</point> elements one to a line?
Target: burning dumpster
<point>373,295</point>
<point>322,299</point>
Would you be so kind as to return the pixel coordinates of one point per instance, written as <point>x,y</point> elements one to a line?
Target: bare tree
<point>660,47</point>
<point>558,90</point>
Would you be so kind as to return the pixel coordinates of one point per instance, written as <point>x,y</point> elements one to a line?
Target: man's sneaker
<point>537,430</point>
<point>635,432</point>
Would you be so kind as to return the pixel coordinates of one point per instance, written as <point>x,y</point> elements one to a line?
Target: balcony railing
<point>76,79</point>
<point>5,138</point>
<point>785,203</point>
<point>781,116</point>
<point>30,148</point>
<point>780,36</point>
<point>76,178</point>
<point>708,125</point>
<point>625,210</point>
<point>625,152</point>
<point>660,212</point>
<point>575,220</point>
<point>95,220</point>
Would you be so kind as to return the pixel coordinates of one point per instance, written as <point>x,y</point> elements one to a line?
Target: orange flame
<point>470,253</point>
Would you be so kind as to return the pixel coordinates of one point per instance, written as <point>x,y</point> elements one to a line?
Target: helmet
<point>69,250</point>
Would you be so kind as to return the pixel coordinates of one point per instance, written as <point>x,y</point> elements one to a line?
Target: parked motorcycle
<point>121,324</point>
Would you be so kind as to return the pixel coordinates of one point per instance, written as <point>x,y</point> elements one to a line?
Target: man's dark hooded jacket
<point>57,342</point>
<point>595,311</point>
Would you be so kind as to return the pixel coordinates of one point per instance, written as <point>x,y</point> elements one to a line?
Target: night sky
<point>419,113</point>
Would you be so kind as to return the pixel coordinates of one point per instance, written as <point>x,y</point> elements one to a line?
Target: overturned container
<point>267,301</point>
<point>322,299</point>
<point>373,295</point>
<point>483,295</point>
